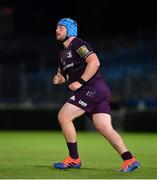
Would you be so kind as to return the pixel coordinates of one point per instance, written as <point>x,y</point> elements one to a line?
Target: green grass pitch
<point>30,154</point>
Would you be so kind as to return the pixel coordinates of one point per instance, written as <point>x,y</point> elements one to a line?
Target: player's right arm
<point>59,78</point>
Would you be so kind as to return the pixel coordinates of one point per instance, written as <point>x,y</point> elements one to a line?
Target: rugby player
<point>79,67</point>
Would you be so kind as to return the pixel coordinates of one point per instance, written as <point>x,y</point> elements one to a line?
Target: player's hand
<point>75,86</point>
<point>56,80</point>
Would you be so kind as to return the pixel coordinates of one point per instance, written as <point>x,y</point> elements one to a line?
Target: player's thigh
<point>69,112</point>
<point>102,121</point>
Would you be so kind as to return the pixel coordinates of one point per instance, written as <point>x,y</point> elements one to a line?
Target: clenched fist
<point>75,86</point>
<point>58,79</point>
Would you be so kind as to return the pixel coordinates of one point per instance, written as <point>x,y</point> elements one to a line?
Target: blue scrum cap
<point>71,26</point>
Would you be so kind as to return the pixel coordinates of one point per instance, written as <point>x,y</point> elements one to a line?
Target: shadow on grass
<point>71,169</point>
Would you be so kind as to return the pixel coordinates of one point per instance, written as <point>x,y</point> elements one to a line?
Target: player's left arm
<point>93,64</point>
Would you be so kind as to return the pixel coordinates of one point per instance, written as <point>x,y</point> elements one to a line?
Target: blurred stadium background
<point>124,34</point>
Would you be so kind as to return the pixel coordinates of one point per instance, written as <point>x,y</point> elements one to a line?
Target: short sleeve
<point>83,49</point>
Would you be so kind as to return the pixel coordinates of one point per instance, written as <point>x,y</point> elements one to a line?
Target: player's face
<point>61,32</point>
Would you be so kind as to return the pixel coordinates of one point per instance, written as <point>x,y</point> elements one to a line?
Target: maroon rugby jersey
<point>72,63</point>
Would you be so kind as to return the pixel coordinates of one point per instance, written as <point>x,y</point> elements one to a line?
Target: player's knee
<point>105,130</point>
<point>62,118</point>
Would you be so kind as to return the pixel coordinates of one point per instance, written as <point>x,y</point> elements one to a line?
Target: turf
<point>31,154</point>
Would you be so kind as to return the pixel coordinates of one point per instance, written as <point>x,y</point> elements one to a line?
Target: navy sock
<point>73,152</point>
<point>126,155</point>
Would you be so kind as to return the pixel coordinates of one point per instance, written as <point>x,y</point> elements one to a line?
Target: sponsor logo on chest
<point>68,66</point>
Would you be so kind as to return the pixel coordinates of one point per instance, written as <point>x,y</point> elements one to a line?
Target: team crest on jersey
<point>69,54</point>
<point>82,51</point>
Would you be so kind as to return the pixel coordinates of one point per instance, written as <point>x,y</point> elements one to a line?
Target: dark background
<point>95,18</point>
